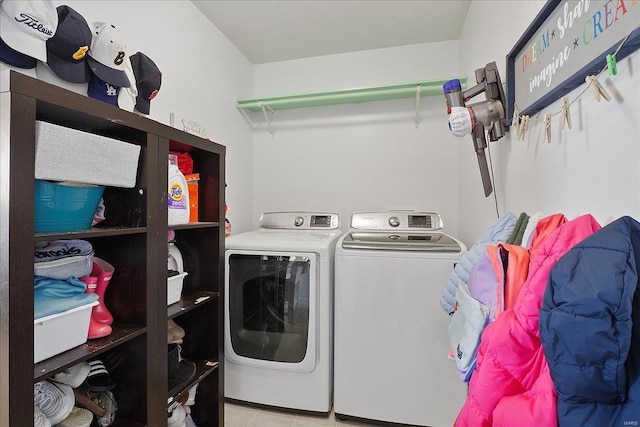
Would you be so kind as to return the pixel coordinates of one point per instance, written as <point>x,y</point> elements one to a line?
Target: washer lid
<point>318,241</point>
<point>400,241</point>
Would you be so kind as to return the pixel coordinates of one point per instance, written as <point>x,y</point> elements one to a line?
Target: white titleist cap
<point>25,26</point>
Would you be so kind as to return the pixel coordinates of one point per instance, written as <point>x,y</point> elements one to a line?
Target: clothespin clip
<point>515,121</point>
<point>523,127</point>
<point>611,64</point>
<point>547,126</point>
<point>565,114</point>
<point>598,90</point>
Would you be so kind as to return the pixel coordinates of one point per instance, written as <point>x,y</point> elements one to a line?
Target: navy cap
<point>67,49</point>
<point>148,80</point>
<point>10,56</point>
<point>99,89</point>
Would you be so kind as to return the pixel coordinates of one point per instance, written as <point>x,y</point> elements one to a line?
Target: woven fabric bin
<point>64,154</point>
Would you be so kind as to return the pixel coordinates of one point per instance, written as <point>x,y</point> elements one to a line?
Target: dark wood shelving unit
<point>137,248</point>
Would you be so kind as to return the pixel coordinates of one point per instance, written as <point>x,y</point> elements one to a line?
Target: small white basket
<point>60,332</point>
<point>174,288</point>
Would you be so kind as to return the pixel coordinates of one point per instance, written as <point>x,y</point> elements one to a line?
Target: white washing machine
<point>279,311</point>
<point>391,346</point>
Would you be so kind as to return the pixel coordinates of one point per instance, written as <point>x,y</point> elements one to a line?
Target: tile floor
<point>238,415</point>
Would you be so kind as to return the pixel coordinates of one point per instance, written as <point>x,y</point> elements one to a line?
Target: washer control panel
<point>401,221</point>
<point>299,221</point>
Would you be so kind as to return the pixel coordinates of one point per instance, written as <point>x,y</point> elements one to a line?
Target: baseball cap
<point>67,49</point>
<point>148,80</point>
<point>103,91</point>
<point>13,57</point>
<point>107,55</point>
<point>26,25</point>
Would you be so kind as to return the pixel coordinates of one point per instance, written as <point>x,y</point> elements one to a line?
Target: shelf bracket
<point>266,116</point>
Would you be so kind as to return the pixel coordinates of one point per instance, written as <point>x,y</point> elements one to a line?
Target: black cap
<point>148,80</point>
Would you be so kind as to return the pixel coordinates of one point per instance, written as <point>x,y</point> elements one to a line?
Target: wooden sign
<point>566,42</point>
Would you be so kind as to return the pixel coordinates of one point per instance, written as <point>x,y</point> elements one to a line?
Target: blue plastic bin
<point>63,207</point>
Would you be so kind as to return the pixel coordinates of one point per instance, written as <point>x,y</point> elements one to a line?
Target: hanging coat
<point>497,232</point>
<point>590,329</point>
<point>512,385</point>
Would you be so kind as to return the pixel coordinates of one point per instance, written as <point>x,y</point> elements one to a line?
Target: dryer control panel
<point>400,221</point>
<point>299,221</point>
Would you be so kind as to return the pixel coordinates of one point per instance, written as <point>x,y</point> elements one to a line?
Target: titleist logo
<point>29,21</point>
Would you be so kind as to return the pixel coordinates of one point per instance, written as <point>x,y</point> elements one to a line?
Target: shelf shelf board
<point>191,225</point>
<point>203,369</point>
<point>190,300</point>
<point>93,232</point>
<point>346,96</point>
<point>125,423</point>
<point>120,334</point>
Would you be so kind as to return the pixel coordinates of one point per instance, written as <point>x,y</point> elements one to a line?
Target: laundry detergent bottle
<point>178,197</point>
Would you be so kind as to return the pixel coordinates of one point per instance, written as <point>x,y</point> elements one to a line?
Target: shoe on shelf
<point>98,378</point>
<point>104,272</point>
<point>39,419</point>
<point>55,400</point>
<point>96,329</point>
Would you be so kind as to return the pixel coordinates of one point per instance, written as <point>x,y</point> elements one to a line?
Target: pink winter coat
<point>512,385</point>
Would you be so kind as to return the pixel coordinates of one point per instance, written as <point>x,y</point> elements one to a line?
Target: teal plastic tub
<point>65,206</point>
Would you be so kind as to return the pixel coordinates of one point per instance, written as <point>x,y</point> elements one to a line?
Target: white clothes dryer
<point>279,311</point>
<point>391,346</point>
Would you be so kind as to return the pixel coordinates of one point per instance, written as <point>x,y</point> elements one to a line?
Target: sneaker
<point>79,417</point>
<point>177,417</point>
<point>74,375</point>
<point>55,400</point>
<point>39,420</point>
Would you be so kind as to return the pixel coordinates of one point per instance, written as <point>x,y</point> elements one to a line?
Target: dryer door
<point>270,309</point>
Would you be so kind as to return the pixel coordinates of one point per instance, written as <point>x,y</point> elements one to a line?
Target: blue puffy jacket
<point>590,328</point>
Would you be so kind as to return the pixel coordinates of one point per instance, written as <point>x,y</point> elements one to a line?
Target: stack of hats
<point>181,372</point>
<point>67,49</point>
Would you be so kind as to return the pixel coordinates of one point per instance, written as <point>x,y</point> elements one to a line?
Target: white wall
<point>357,157</point>
<point>203,75</point>
<point>370,156</point>
<point>591,168</point>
